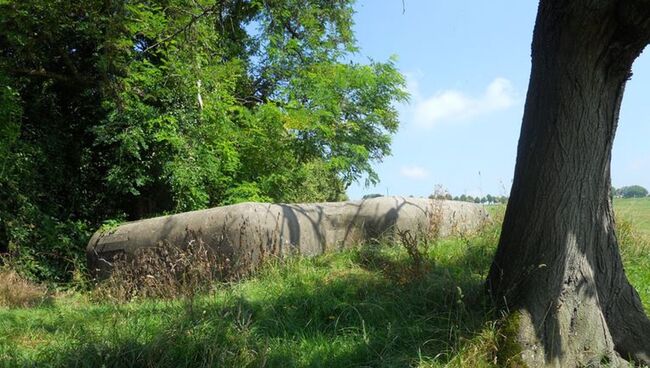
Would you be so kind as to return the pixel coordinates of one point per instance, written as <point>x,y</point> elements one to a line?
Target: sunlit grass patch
<point>635,210</point>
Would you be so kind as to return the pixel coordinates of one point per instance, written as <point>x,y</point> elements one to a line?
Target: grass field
<point>367,307</point>
<point>635,210</point>
<point>634,214</point>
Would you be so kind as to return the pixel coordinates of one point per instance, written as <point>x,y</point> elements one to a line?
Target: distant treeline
<point>633,191</point>
<point>487,199</point>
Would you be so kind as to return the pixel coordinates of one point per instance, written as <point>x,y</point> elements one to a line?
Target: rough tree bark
<point>558,269</point>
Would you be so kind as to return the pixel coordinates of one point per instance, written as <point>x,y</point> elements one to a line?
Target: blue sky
<point>467,64</point>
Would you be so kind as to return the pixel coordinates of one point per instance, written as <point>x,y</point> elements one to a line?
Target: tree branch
<point>56,76</point>
<point>195,18</point>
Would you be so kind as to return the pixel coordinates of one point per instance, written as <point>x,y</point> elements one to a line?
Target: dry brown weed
<point>17,292</point>
<point>166,271</point>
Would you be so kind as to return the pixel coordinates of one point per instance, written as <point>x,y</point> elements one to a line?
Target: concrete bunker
<point>247,233</point>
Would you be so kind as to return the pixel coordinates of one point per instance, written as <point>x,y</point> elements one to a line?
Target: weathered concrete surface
<point>246,233</point>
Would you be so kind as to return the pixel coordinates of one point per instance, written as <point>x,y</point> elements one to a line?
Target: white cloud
<point>414,172</point>
<point>453,105</point>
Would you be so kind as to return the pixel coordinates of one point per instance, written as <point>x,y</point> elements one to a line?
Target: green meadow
<point>373,306</point>
<point>635,210</point>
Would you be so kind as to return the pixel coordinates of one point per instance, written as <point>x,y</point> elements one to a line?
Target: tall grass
<point>360,307</point>
<point>380,305</point>
<point>17,292</point>
<point>635,250</point>
<point>636,211</point>
<point>166,271</point>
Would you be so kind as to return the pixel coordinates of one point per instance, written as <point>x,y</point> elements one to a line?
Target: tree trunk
<point>558,267</point>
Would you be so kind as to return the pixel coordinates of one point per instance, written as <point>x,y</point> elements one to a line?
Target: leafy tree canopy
<point>125,109</point>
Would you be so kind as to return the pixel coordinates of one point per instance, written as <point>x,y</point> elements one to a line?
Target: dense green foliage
<point>126,109</point>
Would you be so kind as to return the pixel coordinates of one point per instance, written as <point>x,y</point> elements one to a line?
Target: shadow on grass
<point>367,307</point>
